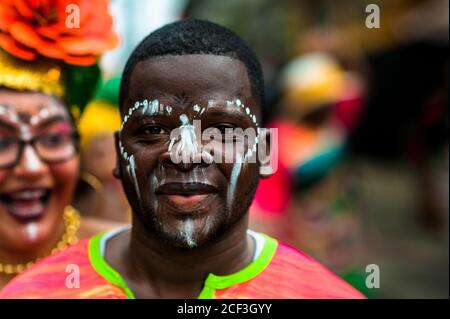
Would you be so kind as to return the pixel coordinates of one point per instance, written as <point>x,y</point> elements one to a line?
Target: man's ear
<point>268,152</point>
<point>116,170</point>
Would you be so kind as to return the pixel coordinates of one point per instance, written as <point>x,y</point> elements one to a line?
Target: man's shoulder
<point>67,274</point>
<point>306,277</point>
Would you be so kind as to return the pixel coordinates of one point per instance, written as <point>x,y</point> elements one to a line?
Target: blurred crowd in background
<point>362,118</point>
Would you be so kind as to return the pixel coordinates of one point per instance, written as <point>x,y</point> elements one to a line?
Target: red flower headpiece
<point>32,28</point>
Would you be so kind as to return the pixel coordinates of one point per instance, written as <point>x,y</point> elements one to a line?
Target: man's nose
<point>30,165</point>
<point>166,161</point>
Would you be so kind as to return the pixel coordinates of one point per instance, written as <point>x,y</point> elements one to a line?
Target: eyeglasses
<point>51,148</point>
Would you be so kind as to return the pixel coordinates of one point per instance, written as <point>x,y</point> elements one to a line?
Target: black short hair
<point>193,36</point>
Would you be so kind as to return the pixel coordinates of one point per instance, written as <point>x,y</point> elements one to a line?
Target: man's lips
<point>185,189</point>
<point>186,194</point>
<point>190,200</point>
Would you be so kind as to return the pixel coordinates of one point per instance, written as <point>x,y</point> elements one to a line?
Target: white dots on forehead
<point>147,107</point>
<point>43,113</point>
<point>154,107</point>
<point>12,116</point>
<point>9,113</point>
<point>3,109</point>
<point>238,103</point>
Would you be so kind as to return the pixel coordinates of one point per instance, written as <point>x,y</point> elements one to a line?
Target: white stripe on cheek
<point>235,172</point>
<point>131,167</point>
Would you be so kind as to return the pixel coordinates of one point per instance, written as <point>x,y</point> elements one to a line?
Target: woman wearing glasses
<point>44,68</point>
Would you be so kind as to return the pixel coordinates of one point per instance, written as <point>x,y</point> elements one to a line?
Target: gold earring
<point>92,181</point>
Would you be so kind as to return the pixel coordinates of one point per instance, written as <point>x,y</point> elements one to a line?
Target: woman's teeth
<point>26,204</point>
<point>28,194</point>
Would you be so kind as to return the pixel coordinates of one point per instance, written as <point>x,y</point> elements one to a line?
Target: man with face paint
<point>189,236</point>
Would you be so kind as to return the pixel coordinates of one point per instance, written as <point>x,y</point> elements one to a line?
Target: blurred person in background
<point>46,70</point>
<point>317,210</point>
<point>99,194</point>
<point>401,146</point>
<point>397,151</point>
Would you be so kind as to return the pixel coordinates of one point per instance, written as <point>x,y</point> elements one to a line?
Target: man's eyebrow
<point>226,114</point>
<point>7,126</point>
<point>140,116</point>
<point>51,120</point>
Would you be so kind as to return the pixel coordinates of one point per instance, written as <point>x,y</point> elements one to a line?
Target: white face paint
<point>238,103</point>
<point>241,162</point>
<point>25,128</point>
<point>32,231</point>
<point>149,108</point>
<point>25,132</point>
<point>132,171</point>
<point>184,146</point>
<point>30,157</point>
<point>46,112</point>
<point>131,167</point>
<point>32,161</point>
<point>187,144</point>
<point>235,173</point>
<point>187,233</point>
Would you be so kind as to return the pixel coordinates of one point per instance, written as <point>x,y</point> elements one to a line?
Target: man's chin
<point>187,232</point>
<point>191,233</point>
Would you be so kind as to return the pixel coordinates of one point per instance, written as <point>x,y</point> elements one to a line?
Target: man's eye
<point>152,130</point>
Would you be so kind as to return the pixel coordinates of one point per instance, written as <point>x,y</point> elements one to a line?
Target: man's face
<point>186,204</point>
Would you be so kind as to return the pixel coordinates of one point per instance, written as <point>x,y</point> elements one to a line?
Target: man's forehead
<point>196,76</point>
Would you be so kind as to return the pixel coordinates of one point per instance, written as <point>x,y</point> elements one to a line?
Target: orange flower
<point>29,28</point>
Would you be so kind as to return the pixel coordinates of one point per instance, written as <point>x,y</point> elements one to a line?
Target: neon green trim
<point>214,282</point>
<point>104,269</point>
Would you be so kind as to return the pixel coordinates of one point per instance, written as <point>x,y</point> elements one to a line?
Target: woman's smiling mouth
<point>26,204</point>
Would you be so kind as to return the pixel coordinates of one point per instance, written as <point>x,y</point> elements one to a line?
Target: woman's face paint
<point>192,201</point>
<point>32,231</point>
<point>33,194</point>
